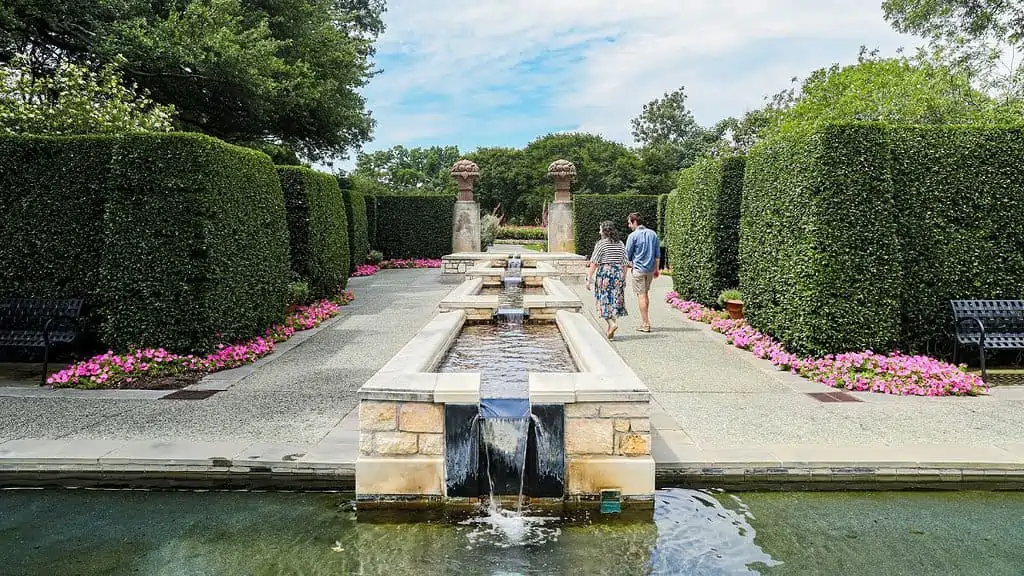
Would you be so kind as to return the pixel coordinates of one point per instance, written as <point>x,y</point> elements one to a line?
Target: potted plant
<point>732,301</point>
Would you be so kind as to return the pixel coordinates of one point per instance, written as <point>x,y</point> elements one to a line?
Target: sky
<point>503,72</point>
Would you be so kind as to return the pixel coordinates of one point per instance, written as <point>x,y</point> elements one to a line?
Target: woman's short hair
<point>608,231</point>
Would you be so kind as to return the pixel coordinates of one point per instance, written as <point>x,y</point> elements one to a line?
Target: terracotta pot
<point>735,309</point>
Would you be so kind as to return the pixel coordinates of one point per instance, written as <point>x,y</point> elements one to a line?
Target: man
<point>643,255</point>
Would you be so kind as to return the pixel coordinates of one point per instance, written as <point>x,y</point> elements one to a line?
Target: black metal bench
<point>39,323</point>
<point>992,324</point>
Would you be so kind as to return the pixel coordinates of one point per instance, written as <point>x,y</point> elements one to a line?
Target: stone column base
<point>560,228</point>
<point>466,227</point>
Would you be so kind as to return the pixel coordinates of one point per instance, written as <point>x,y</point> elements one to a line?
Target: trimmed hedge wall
<point>414,226</point>
<point>589,210</point>
<point>818,252</point>
<point>371,221</point>
<point>959,196</point>
<point>52,197</point>
<point>858,236</point>
<point>705,258</point>
<point>196,243</point>
<point>173,239</point>
<point>662,209</point>
<point>317,229</point>
<point>358,231</point>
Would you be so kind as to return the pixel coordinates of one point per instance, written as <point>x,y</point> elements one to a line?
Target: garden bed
<point>865,371</point>
<point>371,269</point>
<point>158,369</point>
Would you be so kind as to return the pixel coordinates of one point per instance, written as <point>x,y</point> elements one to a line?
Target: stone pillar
<point>560,222</point>
<point>466,220</point>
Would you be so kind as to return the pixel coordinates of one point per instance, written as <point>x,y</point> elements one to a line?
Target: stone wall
<point>608,428</point>
<point>401,428</point>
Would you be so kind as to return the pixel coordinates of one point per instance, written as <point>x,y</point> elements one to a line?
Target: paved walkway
<point>719,407</point>
<point>295,402</point>
<point>718,412</point>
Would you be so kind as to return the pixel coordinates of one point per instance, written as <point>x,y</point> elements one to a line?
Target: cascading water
<point>510,303</point>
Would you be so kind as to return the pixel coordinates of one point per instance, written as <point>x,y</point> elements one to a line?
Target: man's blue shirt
<point>643,249</point>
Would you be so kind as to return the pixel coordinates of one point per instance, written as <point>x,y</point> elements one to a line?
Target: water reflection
<point>695,532</point>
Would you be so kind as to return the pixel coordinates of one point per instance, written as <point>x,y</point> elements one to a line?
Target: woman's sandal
<point>643,328</point>
<point>611,332</point>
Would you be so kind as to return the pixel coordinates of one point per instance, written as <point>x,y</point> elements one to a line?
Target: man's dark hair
<point>636,218</point>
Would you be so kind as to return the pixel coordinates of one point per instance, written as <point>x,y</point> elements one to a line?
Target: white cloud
<point>593,63</point>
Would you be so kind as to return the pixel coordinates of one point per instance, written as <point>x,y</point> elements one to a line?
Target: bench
<point>992,324</point>
<point>39,323</point>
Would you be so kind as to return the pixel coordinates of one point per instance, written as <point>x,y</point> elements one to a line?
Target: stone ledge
<point>419,475</point>
<point>632,476</point>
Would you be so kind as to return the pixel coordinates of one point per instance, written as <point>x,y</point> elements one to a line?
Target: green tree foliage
<point>983,37</point>
<point>892,90</point>
<point>667,124</point>
<point>505,182</point>
<point>75,100</point>
<point>401,170</point>
<point>280,71</point>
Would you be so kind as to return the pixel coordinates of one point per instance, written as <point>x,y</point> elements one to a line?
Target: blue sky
<point>502,72</point>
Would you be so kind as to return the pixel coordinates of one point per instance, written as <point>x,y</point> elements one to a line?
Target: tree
<point>280,71</point>
<point>667,122</point>
<point>75,100</point>
<point>983,37</point>
<point>504,184</point>
<point>893,90</point>
<point>410,170</point>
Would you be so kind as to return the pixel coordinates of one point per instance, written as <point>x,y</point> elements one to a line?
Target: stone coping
<point>606,376</point>
<point>331,465</point>
<point>409,376</point>
<point>490,270</point>
<point>526,256</point>
<point>466,296</point>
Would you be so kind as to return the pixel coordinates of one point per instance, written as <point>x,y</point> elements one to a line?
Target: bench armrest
<point>981,325</point>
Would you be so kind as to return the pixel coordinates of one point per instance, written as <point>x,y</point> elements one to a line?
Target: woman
<point>608,274</point>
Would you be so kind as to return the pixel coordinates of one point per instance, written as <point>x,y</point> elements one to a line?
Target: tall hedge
<point>196,243</point>
<point>705,260</point>
<point>371,221</point>
<point>589,210</point>
<point>358,233</point>
<point>818,254</point>
<point>414,226</point>
<point>959,193</point>
<point>317,229</point>
<point>52,198</point>
<point>662,209</point>
<point>175,240</point>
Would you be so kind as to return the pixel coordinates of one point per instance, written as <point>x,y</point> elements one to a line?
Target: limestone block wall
<point>608,428</point>
<point>401,428</point>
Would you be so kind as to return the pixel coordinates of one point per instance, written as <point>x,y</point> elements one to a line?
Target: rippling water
<point>88,533</point>
<point>504,355</point>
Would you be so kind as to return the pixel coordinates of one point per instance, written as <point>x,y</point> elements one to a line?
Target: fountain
<point>510,304</point>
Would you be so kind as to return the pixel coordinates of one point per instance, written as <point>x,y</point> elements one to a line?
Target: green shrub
<point>317,229</point>
<point>53,192</point>
<point>523,233</point>
<point>358,227</point>
<point>488,230</point>
<point>818,257</point>
<point>960,221</point>
<point>298,293</point>
<point>662,208</point>
<point>375,257</point>
<point>706,231</point>
<point>589,210</point>
<point>414,226</point>
<point>196,244</point>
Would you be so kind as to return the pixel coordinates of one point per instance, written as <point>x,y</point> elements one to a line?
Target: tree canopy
<point>983,37</point>
<point>279,71</point>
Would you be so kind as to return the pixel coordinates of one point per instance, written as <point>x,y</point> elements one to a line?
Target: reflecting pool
<point>695,532</point>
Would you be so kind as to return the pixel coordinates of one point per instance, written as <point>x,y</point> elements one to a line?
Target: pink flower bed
<point>108,370</point>
<point>893,373</point>
<point>370,269</point>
